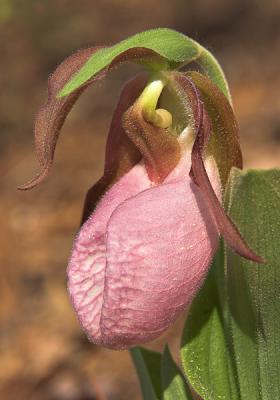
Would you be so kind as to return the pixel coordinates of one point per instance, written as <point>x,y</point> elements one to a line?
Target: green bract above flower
<point>157,49</point>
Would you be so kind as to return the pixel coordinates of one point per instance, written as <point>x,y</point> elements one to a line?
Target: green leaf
<point>253,290</point>
<point>166,49</point>
<point>148,366</point>
<point>231,342</point>
<point>204,352</point>
<point>173,383</point>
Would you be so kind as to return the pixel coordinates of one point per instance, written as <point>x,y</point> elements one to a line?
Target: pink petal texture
<point>139,259</point>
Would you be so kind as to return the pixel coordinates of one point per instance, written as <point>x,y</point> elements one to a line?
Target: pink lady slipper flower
<point>151,224</point>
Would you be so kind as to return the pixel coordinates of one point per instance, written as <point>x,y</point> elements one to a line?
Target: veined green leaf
<point>254,290</point>
<point>231,343</point>
<point>164,47</point>
<point>148,365</point>
<point>173,382</point>
<point>205,355</point>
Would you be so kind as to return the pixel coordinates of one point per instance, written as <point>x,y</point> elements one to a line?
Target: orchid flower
<point>151,224</point>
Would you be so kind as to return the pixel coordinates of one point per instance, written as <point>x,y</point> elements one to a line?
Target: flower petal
<point>199,175</point>
<point>155,250</point>
<point>225,131</point>
<point>86,269</point>
<point>225,225</point>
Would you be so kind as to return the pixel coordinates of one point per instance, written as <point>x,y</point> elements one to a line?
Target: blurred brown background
<point>44,354</point>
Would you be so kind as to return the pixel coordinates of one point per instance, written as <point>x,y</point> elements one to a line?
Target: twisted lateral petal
<point>141,257</point>
<point>199,176</point>
<point>224,137</point>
